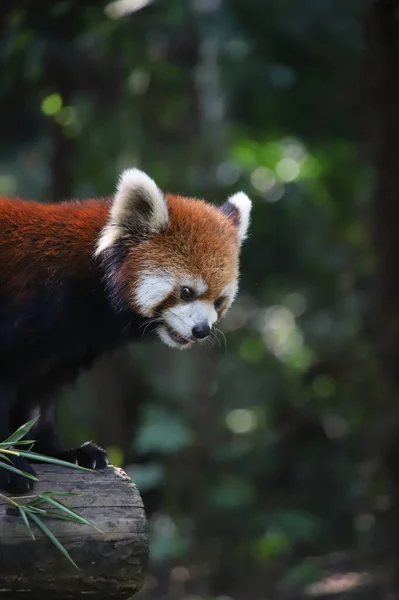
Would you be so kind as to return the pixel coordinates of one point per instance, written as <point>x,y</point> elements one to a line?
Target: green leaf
<point>34,502</point>
<point>51,460</point>
<point>18,471</point>
<point>24,442</point>
<point>71,512</point>
<point>44,497</point>
<point>25,520</point>
<point>5,457</point>
<point>52,514</point>
<point>20,432</point>
<point>6,444</point>
<point>32,508</point>
<point>52,538</point>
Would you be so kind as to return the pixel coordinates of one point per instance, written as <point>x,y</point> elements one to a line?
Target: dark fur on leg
<point>88,455</point>
<point>10,481</point>
<point>13,482</point>
<point>47,442</point>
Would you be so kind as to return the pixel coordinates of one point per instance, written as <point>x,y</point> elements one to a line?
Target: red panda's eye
<point>187,294</point>
<point>219,302</point>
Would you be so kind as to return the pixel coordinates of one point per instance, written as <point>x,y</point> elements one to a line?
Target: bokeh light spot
<point>241,420</point>
<point>263,179</point>
<point>288,169</point>
<point>324,386</point>
<point>51,105</point>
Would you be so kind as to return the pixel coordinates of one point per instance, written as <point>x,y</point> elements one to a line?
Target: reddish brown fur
<point>41,241</point>
<point>61,308</point>
<point>200,241</point>
<point>38,240</point>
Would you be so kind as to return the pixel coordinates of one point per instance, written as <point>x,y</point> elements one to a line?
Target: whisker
<point>148,323</point>
<point>224,337</point>
<point>208,341</point>
<point>144,330</point>
<point>212,339</point>
<point>216,339</point>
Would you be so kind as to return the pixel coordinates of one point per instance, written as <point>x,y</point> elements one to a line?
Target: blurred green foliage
<point>255,442</point>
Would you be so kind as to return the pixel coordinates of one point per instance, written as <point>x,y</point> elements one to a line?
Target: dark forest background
<point>268,464</point>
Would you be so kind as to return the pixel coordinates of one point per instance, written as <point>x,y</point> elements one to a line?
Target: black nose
<point>201,331</point>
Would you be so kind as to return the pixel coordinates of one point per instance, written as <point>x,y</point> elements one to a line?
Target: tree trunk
<point>112,562</point>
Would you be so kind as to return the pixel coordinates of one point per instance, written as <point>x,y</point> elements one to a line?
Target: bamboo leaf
<point>5,451</point>
<point>20,443</point>
<point>35,509</point>
<point>20,432</point>
<point>4,465</point>
<point>52,514</point>
<point>5,457</point>
<point>25,520</point>
<point>52,538</point>
<point>51,460</point>
<point>10,500</point>
<point>72,513</point>
<point>34,502</point>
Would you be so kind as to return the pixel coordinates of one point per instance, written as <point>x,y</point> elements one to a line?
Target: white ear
<point>238,209</point>
<point>139,210</point>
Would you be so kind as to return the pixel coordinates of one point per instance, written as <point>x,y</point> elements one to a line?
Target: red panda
<point>79,278</point>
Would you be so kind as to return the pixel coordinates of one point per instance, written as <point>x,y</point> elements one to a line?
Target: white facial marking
<point>243,204</point>
<point>152,289</point>
<point>200,286</point>
<point>166,339</point>
<point>196,283</point>
<point>183,317</point>
<point>133,187</point>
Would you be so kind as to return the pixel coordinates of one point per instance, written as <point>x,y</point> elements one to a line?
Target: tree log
<point>112,562</point>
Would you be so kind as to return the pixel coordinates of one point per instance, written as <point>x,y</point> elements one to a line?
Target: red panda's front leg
<point>10,481</point>
<point>88,455</point>
<point>47,442</point>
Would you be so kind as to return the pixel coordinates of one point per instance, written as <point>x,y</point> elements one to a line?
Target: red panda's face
<point>181,264</point>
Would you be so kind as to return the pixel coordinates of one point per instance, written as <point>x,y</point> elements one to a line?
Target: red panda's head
<point>178,257</point>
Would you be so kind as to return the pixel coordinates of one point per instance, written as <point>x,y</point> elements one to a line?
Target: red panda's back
<point>38,240</point>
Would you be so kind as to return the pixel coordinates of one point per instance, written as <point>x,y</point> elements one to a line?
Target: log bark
<point>111,563</point>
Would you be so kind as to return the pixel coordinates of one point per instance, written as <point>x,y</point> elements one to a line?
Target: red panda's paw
<point>15,483</point>
<point>88,455</point>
